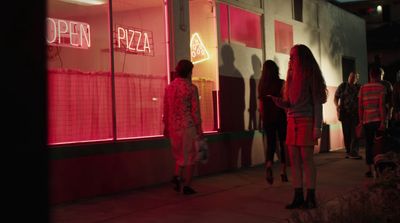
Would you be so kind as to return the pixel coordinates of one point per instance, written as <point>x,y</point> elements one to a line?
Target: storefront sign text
<point>67,33</point>
<point>134,41</point>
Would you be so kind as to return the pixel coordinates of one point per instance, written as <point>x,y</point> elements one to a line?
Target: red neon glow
<point>86,2</point>
<point>283,37</point>
<point>67,33</point>
<point>223,22</point>
<point>133,40</point>
<point>166,30</point>
<point>198,51</point>
<point>216,70</point>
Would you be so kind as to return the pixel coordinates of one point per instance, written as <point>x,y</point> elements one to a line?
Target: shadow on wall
<point>254,79</point>
<point>232,107</point>
<point>336,41</point>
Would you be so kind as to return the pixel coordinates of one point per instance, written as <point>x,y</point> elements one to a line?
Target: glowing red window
<point>140,65</point>
<point>223,22</point>
<point>283,37</point>
<point>240,26</point>
<point>245,27</point>
<point>204,55</point>
<point>79,77</point>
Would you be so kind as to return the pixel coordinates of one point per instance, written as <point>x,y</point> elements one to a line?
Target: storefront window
<point>245,27</point>
<point>283,37</point>
<point>204,55</point>
<point>140,60</point>
<point>79,77</point>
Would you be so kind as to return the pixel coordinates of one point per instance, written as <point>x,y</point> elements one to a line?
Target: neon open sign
<point>133,40</point>
<point>67,33</point>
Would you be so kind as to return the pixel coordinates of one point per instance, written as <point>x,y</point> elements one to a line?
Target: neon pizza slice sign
<point>198,51</point>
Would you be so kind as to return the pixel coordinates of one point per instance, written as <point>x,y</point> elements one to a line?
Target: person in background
<point>388,95</point>
<point>372,112</point>
<point>182,125</point>
<point>346,101</point>
<point>304,93</point>
<point>273,118</point>
<point>396,98</point>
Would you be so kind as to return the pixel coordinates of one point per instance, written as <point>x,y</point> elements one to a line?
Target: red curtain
<point>139,104</point>
<point>80,107</point>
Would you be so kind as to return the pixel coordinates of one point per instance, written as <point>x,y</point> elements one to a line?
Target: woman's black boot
<point>310,202</point>
<point>298,199</point>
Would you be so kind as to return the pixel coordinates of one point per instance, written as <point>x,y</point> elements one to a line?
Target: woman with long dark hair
<point>273,118</point>
<point>304,93</point>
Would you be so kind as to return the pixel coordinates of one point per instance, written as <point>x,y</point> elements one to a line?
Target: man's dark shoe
<point>355,157</point>
<point>188,190</point>
<point>177,181</point>
<point>368,174</point>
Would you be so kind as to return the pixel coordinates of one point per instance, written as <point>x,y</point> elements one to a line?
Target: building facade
<point>109,62</point>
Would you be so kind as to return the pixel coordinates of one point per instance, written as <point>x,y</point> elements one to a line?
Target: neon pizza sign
<point>66,33</point>
<point>133,40</point>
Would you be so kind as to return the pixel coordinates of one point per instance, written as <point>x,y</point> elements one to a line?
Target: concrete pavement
<point>237,196</point>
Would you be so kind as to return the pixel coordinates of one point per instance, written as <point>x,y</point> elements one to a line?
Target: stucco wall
<point>331,34</point>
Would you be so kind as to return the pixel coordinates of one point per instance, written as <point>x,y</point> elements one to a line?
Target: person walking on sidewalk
<point>273,118</point>
<point>346,101</point>
<point>372,113</point>
<point>304,93</point>
<point>182,124</point>
<point>396,98</point>
<point>388,96</point>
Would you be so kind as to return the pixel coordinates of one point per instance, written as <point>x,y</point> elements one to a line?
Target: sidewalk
<point>239,196</point>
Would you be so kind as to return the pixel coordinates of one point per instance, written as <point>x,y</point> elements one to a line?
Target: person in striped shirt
<point>372,112</point>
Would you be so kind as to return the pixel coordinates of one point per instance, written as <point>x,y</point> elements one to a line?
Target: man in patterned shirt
<point>346,101</point>
<point>182,124</point>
